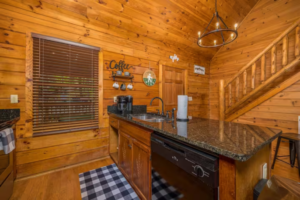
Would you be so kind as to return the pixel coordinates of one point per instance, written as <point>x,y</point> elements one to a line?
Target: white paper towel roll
<point>182,107</point>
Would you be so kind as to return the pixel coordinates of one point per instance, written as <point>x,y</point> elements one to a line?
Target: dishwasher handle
<point>168,146</point>
<point>173,148</point>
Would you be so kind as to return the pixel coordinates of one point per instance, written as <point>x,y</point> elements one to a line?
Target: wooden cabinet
<point>125,155</point>
<point>141,169</point>
<point>114,122</point>
<point>134,156</point>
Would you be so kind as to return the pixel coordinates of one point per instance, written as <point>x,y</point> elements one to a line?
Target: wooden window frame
<point>28,114</point>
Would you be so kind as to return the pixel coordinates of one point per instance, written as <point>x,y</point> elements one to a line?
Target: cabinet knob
<point>129,146</point>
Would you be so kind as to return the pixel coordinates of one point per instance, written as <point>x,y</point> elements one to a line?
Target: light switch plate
<point>14,98</point>
<point>190,98</point>
<point>190,117</point>
<point>115,99</point>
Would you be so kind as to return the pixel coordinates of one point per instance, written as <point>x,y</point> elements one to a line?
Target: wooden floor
<point>59,185</point>
<point>64,184</point>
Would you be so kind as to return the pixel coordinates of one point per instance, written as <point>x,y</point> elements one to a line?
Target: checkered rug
<point>161,190</point>
<point>105,183</point>
<point>109,183</point>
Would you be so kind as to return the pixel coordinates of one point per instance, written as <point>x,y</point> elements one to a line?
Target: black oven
<point>182,172</point>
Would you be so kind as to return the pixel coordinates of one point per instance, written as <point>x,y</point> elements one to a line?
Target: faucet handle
<point>158,111</point>
<point>173,113</point>
<point>167,114</point>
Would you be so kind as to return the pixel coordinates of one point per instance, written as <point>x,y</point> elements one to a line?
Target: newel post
<point>222,100</point>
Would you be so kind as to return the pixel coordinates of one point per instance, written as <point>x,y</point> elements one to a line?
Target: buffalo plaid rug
<point>109,183</point>
<point>105,183</point>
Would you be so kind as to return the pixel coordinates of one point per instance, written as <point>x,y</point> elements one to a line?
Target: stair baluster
<point>273,60</point>
<point>245,83</point>
<point>297,41</point>
<point>253,76</point>
<point>263,69</point>
<point>237,89</point>
<point>229,95</point>
<point>285,51</point>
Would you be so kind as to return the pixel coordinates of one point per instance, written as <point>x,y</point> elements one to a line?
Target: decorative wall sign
<point>199,70</point>
<point>149,77</point>
<point>119,66</point>
<point>174,58</point>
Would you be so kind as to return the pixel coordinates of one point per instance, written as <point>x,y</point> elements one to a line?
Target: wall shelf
<point>115,76</point>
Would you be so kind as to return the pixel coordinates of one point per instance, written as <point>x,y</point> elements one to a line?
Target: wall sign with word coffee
<point>119,66</point>
<point>199,70</point>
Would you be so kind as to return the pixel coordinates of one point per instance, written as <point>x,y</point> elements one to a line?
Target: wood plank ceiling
<point>172,22</point>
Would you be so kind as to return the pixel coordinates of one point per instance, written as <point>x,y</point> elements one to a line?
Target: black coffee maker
<point>124,104</point>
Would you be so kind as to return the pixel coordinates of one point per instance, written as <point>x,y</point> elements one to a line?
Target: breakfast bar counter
<point>242,149</point>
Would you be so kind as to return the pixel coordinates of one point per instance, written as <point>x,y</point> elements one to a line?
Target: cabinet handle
<point>129,146</point>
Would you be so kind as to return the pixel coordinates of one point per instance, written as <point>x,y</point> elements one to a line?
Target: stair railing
<point>245,88</point>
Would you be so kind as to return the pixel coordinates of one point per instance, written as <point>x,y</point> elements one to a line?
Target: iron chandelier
<point>219,29</point>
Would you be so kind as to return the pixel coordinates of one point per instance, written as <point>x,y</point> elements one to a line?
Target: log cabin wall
<point>265,22</point>
<point>120,38</point>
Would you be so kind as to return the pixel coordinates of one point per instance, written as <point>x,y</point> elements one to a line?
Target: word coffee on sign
<point>199,70</point>
<point>119,66</point>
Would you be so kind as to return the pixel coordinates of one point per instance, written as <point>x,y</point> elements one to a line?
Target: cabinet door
<point>125,155</point>
<point>141,169</point>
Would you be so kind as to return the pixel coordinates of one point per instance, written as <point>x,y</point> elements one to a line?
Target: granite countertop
<point>8,117</point>
<point>232,140</point>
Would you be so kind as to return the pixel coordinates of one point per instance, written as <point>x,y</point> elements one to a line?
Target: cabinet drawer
<point>141,134</point>
<point>114,122</point>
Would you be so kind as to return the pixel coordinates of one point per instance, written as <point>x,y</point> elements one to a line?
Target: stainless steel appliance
<point>193,173</point>
<point>124,103</point>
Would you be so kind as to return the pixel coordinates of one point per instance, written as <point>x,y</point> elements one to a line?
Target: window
<point>65,86</point>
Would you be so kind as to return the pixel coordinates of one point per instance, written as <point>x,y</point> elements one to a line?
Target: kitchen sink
<point>148,117</point>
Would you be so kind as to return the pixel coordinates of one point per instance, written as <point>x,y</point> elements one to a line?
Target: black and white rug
<point>109,183</point>
<point>105,183</point>
<point>161,190</point>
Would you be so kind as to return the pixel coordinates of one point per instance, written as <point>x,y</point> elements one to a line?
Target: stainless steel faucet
<point>162,104</point>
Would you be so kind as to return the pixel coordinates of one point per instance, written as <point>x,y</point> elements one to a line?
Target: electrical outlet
<point>190,98</point>
<point>14,98</point>
<point>190,117</point>
<point>265,171</point>
<point>115,99</point>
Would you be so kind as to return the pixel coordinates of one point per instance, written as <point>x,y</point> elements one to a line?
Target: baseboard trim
<point>62,168</point>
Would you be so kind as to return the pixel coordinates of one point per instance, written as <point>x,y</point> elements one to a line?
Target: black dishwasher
<point>182,172</point>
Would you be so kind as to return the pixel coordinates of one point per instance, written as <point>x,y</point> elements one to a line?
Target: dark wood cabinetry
<point>134,156</point>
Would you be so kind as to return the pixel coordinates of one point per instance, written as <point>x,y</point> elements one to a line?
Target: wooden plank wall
<point>82,24</point>
<point>266,21</point>
<point>280,111</point>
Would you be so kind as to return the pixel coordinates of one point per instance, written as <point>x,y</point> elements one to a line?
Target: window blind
<point>65,86</point>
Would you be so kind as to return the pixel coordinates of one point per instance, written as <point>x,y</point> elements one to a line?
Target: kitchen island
<point>242,149</point>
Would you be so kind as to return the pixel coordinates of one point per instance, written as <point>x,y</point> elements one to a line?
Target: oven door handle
<point>175,149</point>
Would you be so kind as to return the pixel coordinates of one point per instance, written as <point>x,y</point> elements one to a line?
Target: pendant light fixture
<point>221,28</point>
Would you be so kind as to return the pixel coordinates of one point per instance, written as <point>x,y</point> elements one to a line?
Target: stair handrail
<point>278,39</point>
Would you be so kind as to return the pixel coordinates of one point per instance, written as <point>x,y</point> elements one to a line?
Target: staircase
<point>274,69</point>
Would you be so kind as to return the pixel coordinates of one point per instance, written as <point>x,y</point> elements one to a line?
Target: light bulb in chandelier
<point>235,26</point>
<point>217,25</point>
<point>215,42</point>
